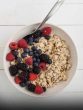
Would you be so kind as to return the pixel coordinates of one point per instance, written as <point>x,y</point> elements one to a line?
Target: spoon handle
<point>51,12</point>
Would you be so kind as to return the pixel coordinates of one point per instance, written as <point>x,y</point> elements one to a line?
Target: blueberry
<point>38,60</point>
<point>36,40</point>
<point>26,50</point>
<point>35,64</point>
<point>19,60</point>
<point>30,40</point>
<point>38,33</point>
<point>15,53</point>
<point>23,84</point>
<point>34,59</point>
<point>24,55</point>
<point>31,53</point>
<point>36,55</point>
<point>34,48</point>
<point>39,51</point>
<point>49,61</point>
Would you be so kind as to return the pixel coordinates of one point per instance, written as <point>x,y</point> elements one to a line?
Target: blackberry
<point>13,70</point>
<point>24,77</point>
<point>22,66</point>
<point>36,70</point>
<point>44,58</point>
<point>31,87</point>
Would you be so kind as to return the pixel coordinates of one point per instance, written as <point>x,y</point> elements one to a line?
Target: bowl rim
<point>13,83</point>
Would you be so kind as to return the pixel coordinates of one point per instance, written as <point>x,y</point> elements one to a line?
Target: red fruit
<point>13,45</point>
<point>17,80</point>
<point>46,30</point>
<point>32,76</point>
<point>29,61</point>
<point>39,89</point>
<point>22,43</point>
<point>10,57</point>
<point>42,66</point>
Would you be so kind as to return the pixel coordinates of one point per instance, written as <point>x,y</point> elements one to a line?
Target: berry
<point>36,70</point>
<point>38,60</point>
<point>13,70</point>
<point>22,43</point>
<point>26,50</point>
<point>29,61</point>
<point>49,61</point>
<point>17,80</point>
<point>30,40</point>
<point>34,48</point>
<point>39,51</point>
<point>22,66</point>
<point>31,87</point>
<point>44,58</point>
<point>35,64</point>
<point>10,57</point>
<point>38,33</point>
<point>31,53</point>
<point>47,37</point>
<point>23,84</point>
<point>24,55</point>
<point>36,40</point>
<point>36,55</point>
<point>42,66</point>
<point>38,90</point>
<point>32,76</point>
<point>46,30</point>
<point>13,45</point>
<point>15,53</point>
<point>19,60</point>
<point>34,59</point>
<point>24,76</point>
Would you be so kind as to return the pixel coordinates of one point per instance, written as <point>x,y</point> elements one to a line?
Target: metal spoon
<point>51,12</point>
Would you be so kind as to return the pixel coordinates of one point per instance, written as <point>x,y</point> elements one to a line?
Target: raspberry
<point>29,61</point>
<point>10,57</point>
<point>32,76</point>
<point>17,80</point>
<point>22,43</point>
<point>13,45</point>
<point>13,70</point>
<point>38,90</point>
<point>46,30</point>
<point>42,66</point>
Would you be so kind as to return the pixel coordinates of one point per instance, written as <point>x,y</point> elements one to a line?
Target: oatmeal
<point>39,61</point>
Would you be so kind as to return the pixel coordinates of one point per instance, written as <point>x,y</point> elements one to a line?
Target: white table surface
<point>15,15</point>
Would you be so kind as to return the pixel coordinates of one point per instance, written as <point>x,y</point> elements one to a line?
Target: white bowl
<point>71,72</point>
